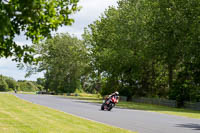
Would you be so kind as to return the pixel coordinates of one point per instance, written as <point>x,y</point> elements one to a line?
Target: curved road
<point>135,120</point>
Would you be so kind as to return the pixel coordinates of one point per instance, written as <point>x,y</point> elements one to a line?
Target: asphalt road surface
<point>135,120</point>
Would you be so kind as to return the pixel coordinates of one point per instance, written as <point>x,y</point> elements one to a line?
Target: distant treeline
<point>10,84</point>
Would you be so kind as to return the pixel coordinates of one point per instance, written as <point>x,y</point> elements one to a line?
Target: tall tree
<point>11,83</point>
<point>3,84</point>
<point>64,60</point>
<point>117,41</point>
<point>143,46</point>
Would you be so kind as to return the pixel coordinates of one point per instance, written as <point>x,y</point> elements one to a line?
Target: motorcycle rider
<point>107,104</point>
<point>115,94</point>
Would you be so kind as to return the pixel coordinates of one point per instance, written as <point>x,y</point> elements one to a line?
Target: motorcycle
<point>109,103</point>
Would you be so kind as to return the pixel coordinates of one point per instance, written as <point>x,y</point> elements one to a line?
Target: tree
<point>148,48</point>
<point>175,32</point>
<point>35,18</point>
<point>11,83</point>
<point>117,46</point>
<point>64,60</point>
<point>27,86</point>
<point>3,84</point>
<point>40,81</point>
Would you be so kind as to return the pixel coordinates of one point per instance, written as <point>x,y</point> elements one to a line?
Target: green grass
<point>87,97</point>
<point>161,109</point>
<point>21,92</point>
<point>19,116</point>
<point>84,96</point>
<point>147,107</point>
<point>24,92</point>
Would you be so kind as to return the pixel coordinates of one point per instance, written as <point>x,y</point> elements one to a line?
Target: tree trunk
<point>170,75</point>
<point>153,79</point>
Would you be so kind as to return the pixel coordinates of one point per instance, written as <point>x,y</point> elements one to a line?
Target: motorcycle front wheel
<point>111,106</point>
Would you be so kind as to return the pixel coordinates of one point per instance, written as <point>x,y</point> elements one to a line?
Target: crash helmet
<point>117,93</point>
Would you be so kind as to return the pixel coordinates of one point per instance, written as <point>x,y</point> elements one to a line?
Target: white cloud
<point>91,10</point>
<point>8,68</point>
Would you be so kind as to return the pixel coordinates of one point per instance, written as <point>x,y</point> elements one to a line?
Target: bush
<point>27,86</point>
<point>3,85</point>
<point>184,91</point>
<point>11,83</point>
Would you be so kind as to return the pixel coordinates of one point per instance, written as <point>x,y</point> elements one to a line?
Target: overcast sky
<point>91,10</point>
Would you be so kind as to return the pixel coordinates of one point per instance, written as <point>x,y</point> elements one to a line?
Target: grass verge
<point>161,109</point>
<point>19,116</point>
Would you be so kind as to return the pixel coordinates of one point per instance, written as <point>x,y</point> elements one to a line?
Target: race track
<point>135,120</point>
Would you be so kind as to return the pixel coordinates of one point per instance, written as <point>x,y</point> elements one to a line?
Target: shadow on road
<point>189,125</point>
<point>82,101</point>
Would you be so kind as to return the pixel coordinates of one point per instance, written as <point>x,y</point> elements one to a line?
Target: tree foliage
<point>64,60</point>
<point>3,85</point>
<point>27,86</point>
<point>10,84</point>
<point>34,18</point>
<point>148,48</point>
